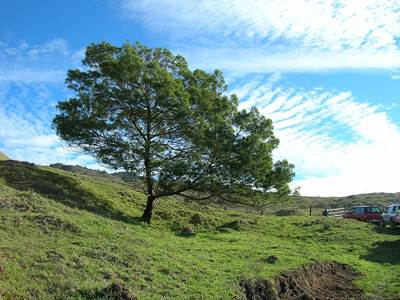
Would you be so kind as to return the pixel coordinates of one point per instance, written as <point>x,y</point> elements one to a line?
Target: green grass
<point>68,236</point>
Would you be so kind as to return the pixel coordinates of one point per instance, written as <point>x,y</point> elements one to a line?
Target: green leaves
<point>144,111</point>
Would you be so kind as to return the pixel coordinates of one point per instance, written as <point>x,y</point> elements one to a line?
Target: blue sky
<point>326,72</point>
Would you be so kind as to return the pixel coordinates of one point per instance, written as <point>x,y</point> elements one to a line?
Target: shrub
<point>326,225</point>
<point>201,220</point>
<point>187,231</point>
<point>234,225</point>
<point>286,212</point>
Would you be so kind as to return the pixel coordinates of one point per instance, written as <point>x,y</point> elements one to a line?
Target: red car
<point>364,213</point>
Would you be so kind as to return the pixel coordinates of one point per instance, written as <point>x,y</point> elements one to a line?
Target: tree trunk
<point>148,211</point>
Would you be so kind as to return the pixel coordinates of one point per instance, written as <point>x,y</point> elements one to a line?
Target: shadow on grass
<point>387,230</point>
<point>385,252</point>
<point>66,190</point>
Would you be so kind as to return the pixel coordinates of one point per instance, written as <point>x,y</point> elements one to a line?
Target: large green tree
<point>144,111</point>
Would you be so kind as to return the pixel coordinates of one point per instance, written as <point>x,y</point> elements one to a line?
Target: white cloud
<point>57,46</point>
<point>34,141</point>
<point>396,74</point>
<point>26,112</point>
<point>27,63</point>
<point>27,75</point>
<point>328,24</point>
<point>31,83</point>
<point>275,35</point>
<point>366,159</point>
<point>264,61</point>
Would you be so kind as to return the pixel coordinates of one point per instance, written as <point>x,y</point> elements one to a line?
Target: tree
<point>143,110</point>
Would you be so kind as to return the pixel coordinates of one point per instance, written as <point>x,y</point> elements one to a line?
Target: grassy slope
<point>3,156</point>
<point>67,236</point>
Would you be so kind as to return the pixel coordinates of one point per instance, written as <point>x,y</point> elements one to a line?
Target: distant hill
<point>379,199</point>
<point>3,156</point>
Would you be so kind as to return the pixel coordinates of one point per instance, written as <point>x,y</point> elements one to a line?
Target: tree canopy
<point>143,110</point>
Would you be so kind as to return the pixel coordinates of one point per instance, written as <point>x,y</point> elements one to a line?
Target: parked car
<point>391,215</point>
<point>364,213</point>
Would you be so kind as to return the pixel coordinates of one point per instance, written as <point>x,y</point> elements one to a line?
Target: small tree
<point>143,110</point>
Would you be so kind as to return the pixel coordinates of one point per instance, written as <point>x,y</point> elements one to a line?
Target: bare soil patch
<point>329,280</point>
<point>114,291</point>
<point>48,223</point>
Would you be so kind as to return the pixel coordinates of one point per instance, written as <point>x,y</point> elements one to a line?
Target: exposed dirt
<point>114,291</point>
<point>50,223</point>
<point>22,202</point>
<point>272,259</point>
<point>322,281</point>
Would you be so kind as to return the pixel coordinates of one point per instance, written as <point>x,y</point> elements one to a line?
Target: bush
<point>326,225</point>
<point>199,219</point>
<point>286,212</point>
<point>272,259</point>
<point>234,225</point>
<point>187,231</point>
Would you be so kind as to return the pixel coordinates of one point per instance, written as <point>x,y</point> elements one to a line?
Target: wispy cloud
<point>31,83</point>
<point>26,111</point>
<point>278,35</point>
<point>396,74</point>
<point>27,63</point>
<point>340,146</point>
<point>31,75</point>
<point>262,60</point>
<point>328,24</point>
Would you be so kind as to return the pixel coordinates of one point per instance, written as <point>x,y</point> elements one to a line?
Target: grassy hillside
<point>3,156</point>
<point>69,236</point>
<point>120,177</point>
